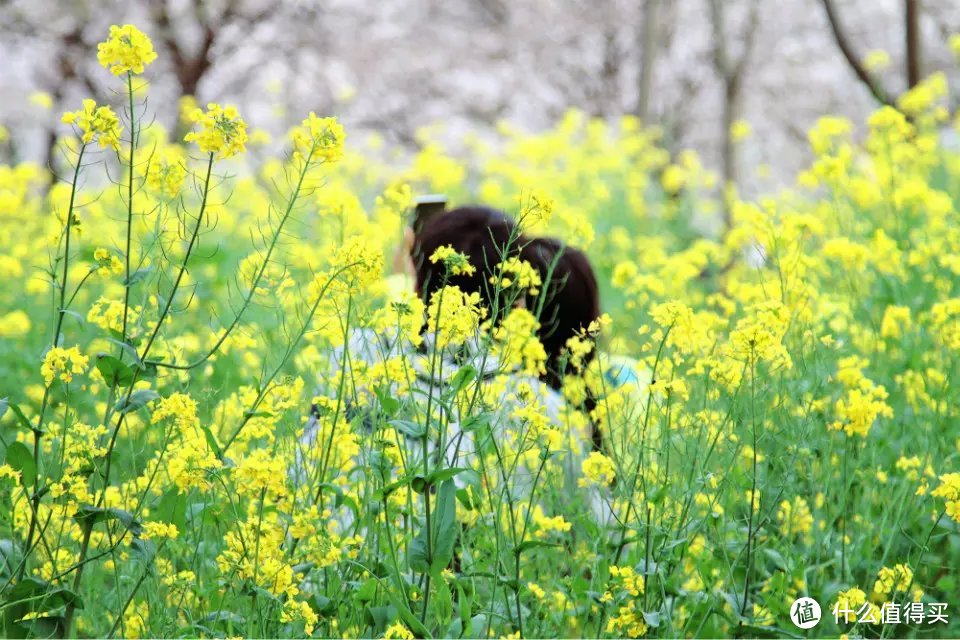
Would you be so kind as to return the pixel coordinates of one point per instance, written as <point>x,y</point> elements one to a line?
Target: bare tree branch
<point>843,43</point>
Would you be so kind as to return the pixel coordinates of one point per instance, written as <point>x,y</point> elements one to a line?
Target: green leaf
<point>534,544</point>
<point>380,617</point>
<point>760,631</point>
<point>137,400</point>
<point>455,630</point>
<point>478,421</point>
<point>115,371</point>
<point>420,483</point>
<point>478,626</point>
<point>409,428</point>
<point>4,405</point>
<point>465,498</point>
<point>173,508</point>
<point>10,557</point>
<point>89,516</point>
<point>367,590</point>
<point>463,603</point>
<point>388,404</point>
<point>44,626</point>
<point>196,630</point>
<point>322,604</point>
<point>440,475</point>
<point>126,346</point>
<point>444,534</point>
<point>443,602</point>
<point>461,379</point>
<point>387,489</point>
<point>338,495</point>
<point>447,528</point>
<point>74,314</point>
<point>777,558</point>
<point>19,457</point>
<point>652,618</point>
<point>138,276</point>
<point>40,595</point>
<point>648,569</point>
<point>211,439</point>
<point>248,589</point>
<point>146,549</point>
<point>147,370</point>
<point>413,623</point>
<point>510,583</point>
<point>18,412</point>
<point>227,618</point>
<point>417,552</point>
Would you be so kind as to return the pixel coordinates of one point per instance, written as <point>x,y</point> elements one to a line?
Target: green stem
<point>38,431</point>
<point>753,485</point>
<point>116,430</point>
<point>256,280</point>
<point>133,141</point>
<point>843,515</point>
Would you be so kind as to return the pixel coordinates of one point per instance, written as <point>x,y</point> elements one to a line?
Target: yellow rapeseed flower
<point>63,363</point>
<point>324,136</point>
<point>127,49</point>
<point>457,264</point>
<point>899,578</point>
<point>221,130</point>
<point>398,632</point>
<point>167,171</point>
<point>597,470</point>
<point>95,123</point>
<point>949,490</point>
<point>153,530</point>
<point>454,316</point>
<point>794,517</point>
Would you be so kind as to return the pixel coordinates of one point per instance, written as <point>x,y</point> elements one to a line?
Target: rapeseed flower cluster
<point>95,124</point>
<point>454,315</point>
<point>63,363</point>
<point>455,263</point>
<point>323,137</point>
<point>598,470</point>
<point>949,490</point>
<point>221,130</point>
<point>126,50</point>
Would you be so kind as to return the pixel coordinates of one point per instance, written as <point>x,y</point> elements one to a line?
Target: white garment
<point>459,443</point>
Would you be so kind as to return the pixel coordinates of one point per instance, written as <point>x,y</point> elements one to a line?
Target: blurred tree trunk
<point>731,103</point>
<point>609,99</point>
<point>648,53</point>
<point>913,46</point>
<point>188,68</point>
<point>731,74</point>
<point>69,57</point>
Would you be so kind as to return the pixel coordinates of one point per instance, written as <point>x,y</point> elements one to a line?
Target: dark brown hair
<point>571,299</point>
<point>486,236</point>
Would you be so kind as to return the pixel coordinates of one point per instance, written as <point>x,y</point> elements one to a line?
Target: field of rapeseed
<point>172,307</point>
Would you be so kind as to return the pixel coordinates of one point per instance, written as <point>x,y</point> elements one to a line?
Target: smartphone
<point>427,206</point>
